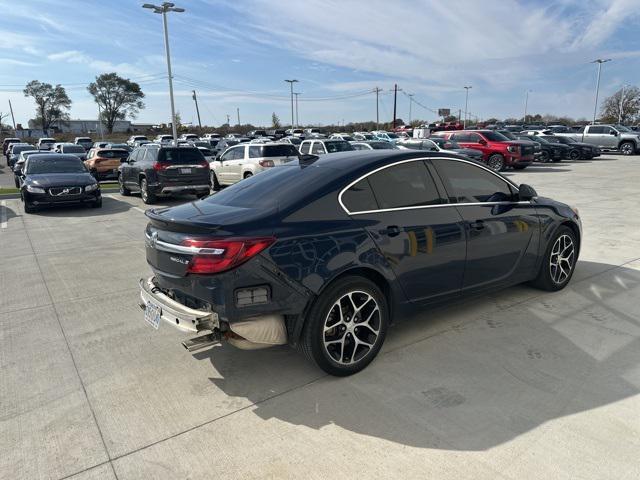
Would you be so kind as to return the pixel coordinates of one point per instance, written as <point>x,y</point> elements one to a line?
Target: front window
<point>392,135</point>
<point>112,154</point>
<point>467,183</point>
<point>405,185</point>
<point>339,146</point>
<point>494,136</point>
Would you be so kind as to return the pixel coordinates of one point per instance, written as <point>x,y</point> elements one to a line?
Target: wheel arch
<point>574,228</point>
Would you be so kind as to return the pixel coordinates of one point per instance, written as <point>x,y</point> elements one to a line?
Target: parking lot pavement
<point>518,384</point>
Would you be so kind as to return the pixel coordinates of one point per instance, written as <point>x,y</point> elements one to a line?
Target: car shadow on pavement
<point>110,205</point>
<point>470,376</point>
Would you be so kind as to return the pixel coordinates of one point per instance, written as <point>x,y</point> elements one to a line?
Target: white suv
<point>244,160</point>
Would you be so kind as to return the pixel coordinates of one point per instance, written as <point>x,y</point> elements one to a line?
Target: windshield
<point>52,164</point>
<point>507,134</point>
<point>382,146</point>
<point>392,135</point>
<point>338,146</point>
<point>494,136</point>
<point>73,149</point>
<point>538,139</point>
<point>180,156</point>
<point>622,128</point>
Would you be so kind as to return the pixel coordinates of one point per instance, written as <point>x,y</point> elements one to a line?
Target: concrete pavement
<point>520,384</point>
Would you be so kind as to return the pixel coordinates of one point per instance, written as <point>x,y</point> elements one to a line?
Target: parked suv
<point>13,152</point>
<point>245,160</point>
<point>159,170</point>
<point>136,138</point>
<point>320,146</point>
<point>497,150</point>
<point>71,148</point>
<point>45,143</point>
<point>103,163</point>
<point>8,141</point>
<point>84,142</point>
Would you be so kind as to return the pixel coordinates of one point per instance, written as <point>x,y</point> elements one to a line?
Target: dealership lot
<point>520,384</point>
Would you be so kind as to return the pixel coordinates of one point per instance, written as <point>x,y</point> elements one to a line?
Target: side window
<point>607,130</point>
<point>228,155</point>
<point>467,183</point>
<point>596,130</point>
<point>359,197</point>
<point>474,138</point>
<point>461,137</point>
<point>134,156</point>
<point>404,185</point>
<point>318,148</point>
<point>238,153</point>
<point>304,147</point>
<point>255,152</point>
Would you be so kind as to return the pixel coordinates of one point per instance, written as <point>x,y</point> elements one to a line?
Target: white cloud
<point>95,65</point>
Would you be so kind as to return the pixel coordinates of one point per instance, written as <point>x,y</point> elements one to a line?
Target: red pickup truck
<point>497,150</point>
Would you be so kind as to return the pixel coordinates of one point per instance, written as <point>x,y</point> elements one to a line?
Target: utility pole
<point>100,124</point>
<point>195,99</point>
<point>377,90</point>
<point>620,111</point>
<point>13,119</point>
<point>599,61</point>
<point>163,9</point>
<point>395,98</point>
<point>459,115</point>
<point>238,112</point>
<point>291,82</point>
<point>466,104</point>
<point>410,102</point>
<point>526,104</point>
<point>297,118</point>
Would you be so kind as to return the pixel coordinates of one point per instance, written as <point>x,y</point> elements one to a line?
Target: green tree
<point>117,97</point>
<point>52,102</point>
<point>275,120</point>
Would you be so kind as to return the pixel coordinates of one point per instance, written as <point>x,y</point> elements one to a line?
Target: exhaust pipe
<point>202,341</point>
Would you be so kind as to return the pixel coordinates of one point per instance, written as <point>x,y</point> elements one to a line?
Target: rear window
<point>72,149</point>
<point>272,151</point>
<point>113,154</point>
<point>182,155</point>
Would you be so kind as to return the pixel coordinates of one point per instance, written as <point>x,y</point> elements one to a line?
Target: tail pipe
<point>203,341</point>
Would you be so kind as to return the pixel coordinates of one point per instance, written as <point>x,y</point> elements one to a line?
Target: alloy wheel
<point>143,190</point>
<point>562,259</point>
<point>352,327</point>
<point>496,163</point>
<point>626,148</point>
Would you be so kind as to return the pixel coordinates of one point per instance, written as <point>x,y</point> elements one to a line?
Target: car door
<point>610,137</point>
<point>502,233</point>
<point>236,163</point>
<point>127,167</point>
<point>318,148</point>
<point>226,175</point>
<point>421,237</point>
<point>596,136</point>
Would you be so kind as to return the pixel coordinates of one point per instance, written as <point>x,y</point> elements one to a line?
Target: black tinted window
<point>405,185</point>
<point>113,154</point>
<point>338,146</point>
<point>596,130</point>
<point>466,183</point>
<point>54,165</point>
<point>304,147</point>
<point>180,155</point>
<point>272,151</point>
<point>359,197</point>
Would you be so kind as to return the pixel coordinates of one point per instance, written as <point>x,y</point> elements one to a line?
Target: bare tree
<point>623,105</point>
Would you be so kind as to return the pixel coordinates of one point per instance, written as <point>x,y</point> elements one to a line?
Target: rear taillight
<point>215,256</point>
<point>266,163</point>
<point>204,164</point>
<point>157,166</point>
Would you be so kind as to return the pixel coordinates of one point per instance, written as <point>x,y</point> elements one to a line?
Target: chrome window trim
<point>173,248</point>
<point>421,159</point>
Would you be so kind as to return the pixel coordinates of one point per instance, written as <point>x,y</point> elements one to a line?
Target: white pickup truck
<point>606,137</point>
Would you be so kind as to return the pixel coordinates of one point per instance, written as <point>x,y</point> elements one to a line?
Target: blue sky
<point>237,55</point>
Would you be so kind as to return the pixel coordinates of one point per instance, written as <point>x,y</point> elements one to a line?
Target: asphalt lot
<point>519,384</point>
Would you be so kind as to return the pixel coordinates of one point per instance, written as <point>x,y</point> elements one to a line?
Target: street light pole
<point>410,102</point>
<point>526,104</point>
<point>163,9</point>
<point>466,104</point>
<point>297,117</point>
<point>291,82</point>
<point>599,61</point>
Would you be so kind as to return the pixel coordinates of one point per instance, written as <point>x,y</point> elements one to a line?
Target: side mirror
<point>526,192</point>
<point>614,133</point>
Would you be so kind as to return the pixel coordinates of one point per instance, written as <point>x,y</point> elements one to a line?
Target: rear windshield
<point>47,141</point>
<point>119,145</point>
<point>272,151</point>
<point>55,165</point>
<point>113,154</point>
<point>21,148</point>
<point>181,155</point>
<point>73,149</point>
<point>338,146</point>
<point>382,146</point>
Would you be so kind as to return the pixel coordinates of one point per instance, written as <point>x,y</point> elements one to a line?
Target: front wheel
<point>559,261</point>
<point>346,326</point>
<point>124,191</point>
<point>627,148</point>
<point>496,162</point>
<point>544,156</point>
<point>574,154</point>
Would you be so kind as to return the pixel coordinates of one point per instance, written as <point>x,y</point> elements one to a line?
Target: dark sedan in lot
<point>55,180</point>
<point>577,149</point>
<point>325,252</point>
<point>551,151</point>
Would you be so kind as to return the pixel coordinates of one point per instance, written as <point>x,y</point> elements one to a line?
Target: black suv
<point>550,151</point>
<point>155,170</point>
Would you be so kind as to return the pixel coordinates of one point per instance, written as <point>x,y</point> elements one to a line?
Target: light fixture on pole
<point>163,9</point>
<point>291,82</point>
<point>599,61</point>
<point>526,104</point>
<point>466,103</point>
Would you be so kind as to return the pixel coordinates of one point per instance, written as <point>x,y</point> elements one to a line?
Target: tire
<point>549,278</point>
<point>337,356</point>
<point>544,156</point>
<point>15,180</point>
<point>215,185</point>
<point>574,154</point>
<point>124,191</point>
<point>627,148</point>
<point>496,162</point>
<point>148,197</point>
<point>97,204</point>
<point>520,167</point>
<point>248,175</point>
<point>28,208</point>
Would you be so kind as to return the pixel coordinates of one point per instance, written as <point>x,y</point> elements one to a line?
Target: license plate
<point>152,314</point>
<point>185,170</point>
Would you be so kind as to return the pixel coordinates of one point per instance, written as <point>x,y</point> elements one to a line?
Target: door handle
<point>391,231</point>
<point>477,225</point>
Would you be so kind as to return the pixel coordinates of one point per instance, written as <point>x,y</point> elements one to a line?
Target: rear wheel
<point>346,326</point>
<point>559,261</point>
<point>147,197</point>
<point>544,156</point>
<point>496,162</point>
<point>124,191</point>
<point>248,174</point>
<point>627,148</point>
